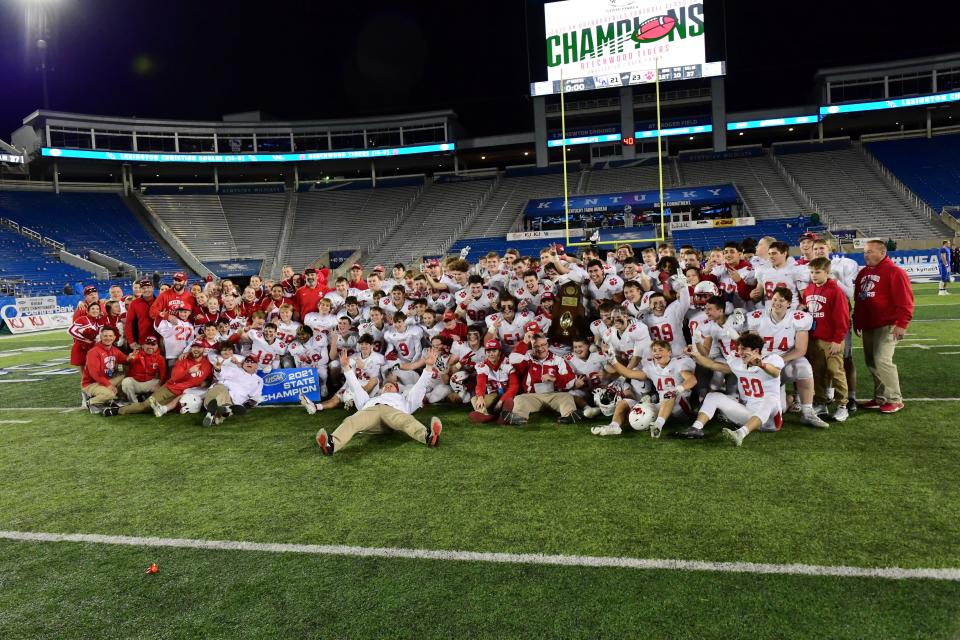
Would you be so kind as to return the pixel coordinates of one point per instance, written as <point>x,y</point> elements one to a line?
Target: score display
<point>598,45</point>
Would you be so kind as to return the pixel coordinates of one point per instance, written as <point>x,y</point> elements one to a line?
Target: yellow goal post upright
<point>566,183</point>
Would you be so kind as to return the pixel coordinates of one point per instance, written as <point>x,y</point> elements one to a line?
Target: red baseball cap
<point>209,277</point>
<point>531,326</point>
<point>180,276</point>
<point>252,359</point>
<point>357,265</point>
<point>492,344</point>
<point>89,289</point>
<point>548,295</point>
<point>197,343</point>
<point>809,235</point>
<point>449,315</point>
<point>379,269</point>
<point>307,272</point>
<point>150,340</point>
<point>433,262</point>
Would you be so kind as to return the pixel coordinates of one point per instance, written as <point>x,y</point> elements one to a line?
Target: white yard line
<point>15,421</point>
<point>886,573</point>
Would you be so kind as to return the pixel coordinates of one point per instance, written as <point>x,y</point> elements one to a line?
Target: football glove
<point>464,252</point>
<point>678,281</point>
<point>738,319</point>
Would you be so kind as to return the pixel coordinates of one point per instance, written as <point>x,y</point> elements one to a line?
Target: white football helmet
<point>191,403</point>
<point>703,292</point>
<point>606,398</point>
<point>642,416</point>
<point>458,382</point>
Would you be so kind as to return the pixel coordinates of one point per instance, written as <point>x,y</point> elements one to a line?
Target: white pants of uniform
<point>439,393</point>
<point>798,369</point>
<point>737,412</point>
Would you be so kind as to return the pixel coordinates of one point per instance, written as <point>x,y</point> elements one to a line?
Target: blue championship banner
<point>283,386</point>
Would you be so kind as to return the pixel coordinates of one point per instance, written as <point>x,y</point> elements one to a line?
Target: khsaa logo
<point>275,378</point>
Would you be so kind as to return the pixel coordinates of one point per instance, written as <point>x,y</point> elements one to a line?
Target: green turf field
<point>877,491</point>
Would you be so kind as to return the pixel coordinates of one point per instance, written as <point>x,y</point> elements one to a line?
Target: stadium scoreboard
<point>600,45</point>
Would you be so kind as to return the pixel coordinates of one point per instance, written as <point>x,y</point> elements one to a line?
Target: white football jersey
<point>287,331</point>
<point>611,285</point>
<point>755,384</point>
<point>844,271</point>
<point>369,328</point>
<point>267,354</point>
<point>320,323</point>
<point>668,377</point>
<point>372,366</point>
<point>544,321</point>
<point>669,326</point>
<point>533,299</point>
<point>727,284</point>
<point>598,329</point>
<point>477,309</point>
<point>176,337</point>
<point>390,309</point>
<point>357,320</point>
<point>721,345</point>
<point>779,337</point>
<point>793,276</point>
<point>592,368</point>
<point>452,285</point>
<point>440,301</point>
<point>497,376</point>
<point>407,345</point>
<point>345,342</point>
<point>509,333</point>
<point>634,340</point>
<point>315,352</point>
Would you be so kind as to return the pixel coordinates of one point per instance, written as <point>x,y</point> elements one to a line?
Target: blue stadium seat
<point>929,167</point>
<point>786,229</point>
<point>89,221</point>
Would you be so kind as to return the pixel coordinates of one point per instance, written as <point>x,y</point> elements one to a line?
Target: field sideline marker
<point>886,573</point>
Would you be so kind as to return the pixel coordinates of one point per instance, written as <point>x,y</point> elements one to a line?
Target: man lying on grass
<point>389,410</point>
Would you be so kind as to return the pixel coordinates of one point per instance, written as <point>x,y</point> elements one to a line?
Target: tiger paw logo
<point>653,29</point>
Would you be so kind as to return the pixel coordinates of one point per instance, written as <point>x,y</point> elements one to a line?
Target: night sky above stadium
<point>300,60</point>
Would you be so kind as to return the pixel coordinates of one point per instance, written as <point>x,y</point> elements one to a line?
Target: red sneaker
<point>872,404</point>
<point>891,407</point>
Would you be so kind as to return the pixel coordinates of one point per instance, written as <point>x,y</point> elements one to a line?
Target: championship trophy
<point>569,322</point>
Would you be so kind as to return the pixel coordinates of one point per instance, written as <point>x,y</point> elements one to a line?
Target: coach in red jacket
<point>190,371</point>
<point>146,370</point>
<point>101,376</point>
<point>139,326</point>
<point>884,308</point>
<point>177,292</point>
<point>544,380</point>
<point>306,298</point>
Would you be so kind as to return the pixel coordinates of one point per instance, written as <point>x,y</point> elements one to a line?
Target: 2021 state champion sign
<point>284,386</point>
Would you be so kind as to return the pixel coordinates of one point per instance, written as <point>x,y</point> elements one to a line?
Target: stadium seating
<point>764,191</point>
<point>430,223</point>
<point>501,210</point>
<point>37,271</point>
<point>199,222</point>
<point>342,219</point>
<point>639,175</point>
<point>786,229</point>
<point>89,221</point>
<point>853,195</point>
<point>929,167</point>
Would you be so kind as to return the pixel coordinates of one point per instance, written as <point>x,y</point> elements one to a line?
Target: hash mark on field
<point>886,573</point>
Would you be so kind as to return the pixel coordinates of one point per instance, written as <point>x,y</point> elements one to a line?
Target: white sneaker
<point>655,430</point>
<point>820,409</point>
<point>323,391</point>
<point>308,404</point>
<point>841,414</point>
<point>795,407</point>
<point>812,419</point>
<point>591,412</point>
<point>158,409</point>
<point>606,430</point>
<point>732,436</point>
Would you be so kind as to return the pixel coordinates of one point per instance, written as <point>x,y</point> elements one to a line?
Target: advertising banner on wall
<point>32,315</point>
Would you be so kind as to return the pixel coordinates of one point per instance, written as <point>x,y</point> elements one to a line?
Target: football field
<point>535,531</point>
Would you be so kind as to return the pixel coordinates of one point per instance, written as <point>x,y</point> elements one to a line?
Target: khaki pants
<point>878,348</point>
<point>827,372</point>
<point>219,393</point>
<point>100,394</point>
<point>132,388</point>
<point>377,419</point>
<point>161,396</point>
<point>559,401</point>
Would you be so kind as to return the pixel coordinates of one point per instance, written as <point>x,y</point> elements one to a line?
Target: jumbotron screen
<point>597,45</point>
